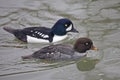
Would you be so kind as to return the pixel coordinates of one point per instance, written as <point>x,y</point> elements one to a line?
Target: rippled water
<point>96,19</point>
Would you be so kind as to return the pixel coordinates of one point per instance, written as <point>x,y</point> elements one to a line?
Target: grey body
<point>64,51</point>
<point>56,52</point>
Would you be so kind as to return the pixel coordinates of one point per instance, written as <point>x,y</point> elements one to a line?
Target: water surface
<point>96,19</point>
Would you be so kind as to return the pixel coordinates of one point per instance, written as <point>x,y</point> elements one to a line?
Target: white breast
<point>59,38</point>
<point>36,40</point>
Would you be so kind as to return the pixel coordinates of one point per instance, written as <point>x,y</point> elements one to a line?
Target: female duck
<point>64,51</point>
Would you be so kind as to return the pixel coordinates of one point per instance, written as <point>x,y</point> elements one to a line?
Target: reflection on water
<point>96,19</point>
<point>87,64</point>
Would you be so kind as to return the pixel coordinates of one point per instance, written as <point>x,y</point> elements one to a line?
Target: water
<point>96,19</point>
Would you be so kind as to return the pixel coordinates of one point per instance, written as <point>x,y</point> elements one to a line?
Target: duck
<point>64,51</point>
<point>43,34</point>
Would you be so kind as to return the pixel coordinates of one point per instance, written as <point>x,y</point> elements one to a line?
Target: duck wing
<point>37,32</point>
<point>59,51</point>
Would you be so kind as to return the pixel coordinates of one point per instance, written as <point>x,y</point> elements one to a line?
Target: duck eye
<point>66,25</point>
<point>86,44</point>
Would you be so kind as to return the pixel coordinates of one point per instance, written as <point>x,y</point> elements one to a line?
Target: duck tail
<point>10,30</point>
<point>27,57</point>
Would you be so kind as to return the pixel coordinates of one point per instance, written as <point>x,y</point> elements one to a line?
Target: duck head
<point>84,44</point>
<point>62,26</point>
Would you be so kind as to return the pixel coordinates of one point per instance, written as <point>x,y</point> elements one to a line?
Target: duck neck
<point>51,35</point>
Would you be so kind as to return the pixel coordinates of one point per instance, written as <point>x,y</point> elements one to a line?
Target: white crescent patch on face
<point>69,28</point>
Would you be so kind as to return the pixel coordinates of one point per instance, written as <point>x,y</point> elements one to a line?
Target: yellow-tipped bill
<point>94,48</point>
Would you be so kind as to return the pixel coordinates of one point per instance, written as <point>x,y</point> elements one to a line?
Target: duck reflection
<point>86,64</point>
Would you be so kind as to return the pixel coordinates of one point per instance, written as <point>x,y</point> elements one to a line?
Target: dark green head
<point>62,26</point>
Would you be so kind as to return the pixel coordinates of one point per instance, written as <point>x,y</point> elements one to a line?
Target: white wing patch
<point>69,28</point>
<point>45,36</point>
<point>40,34</point>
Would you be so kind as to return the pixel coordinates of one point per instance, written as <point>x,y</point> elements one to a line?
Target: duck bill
<point>74,30</point>
<point>94,48</point>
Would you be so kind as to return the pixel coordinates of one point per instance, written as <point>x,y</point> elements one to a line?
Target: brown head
<point>84,44</point>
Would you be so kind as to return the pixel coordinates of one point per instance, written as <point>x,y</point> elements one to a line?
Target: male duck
<point>64,51</point>
<point>42,34</point>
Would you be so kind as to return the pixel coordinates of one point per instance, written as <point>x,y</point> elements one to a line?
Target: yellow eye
<point>66,25</point>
